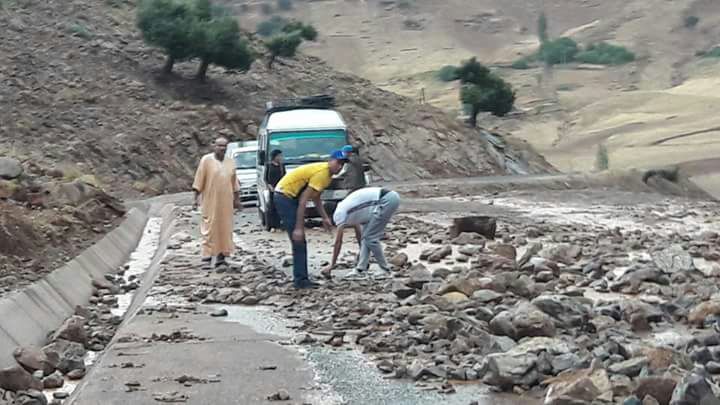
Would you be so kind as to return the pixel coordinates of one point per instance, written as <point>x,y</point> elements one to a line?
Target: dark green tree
<point>306,31</point>
<point>483,90</point>
<point>218,41</point>
<point>167,24</point>
<point>283,45</point>
<point>558,51</point>
<point>272,26</point>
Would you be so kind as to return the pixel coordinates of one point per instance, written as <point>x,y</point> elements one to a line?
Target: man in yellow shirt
<point>291,196</point>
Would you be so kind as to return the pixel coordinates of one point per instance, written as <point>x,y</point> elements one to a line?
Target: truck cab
<point>306,130</point>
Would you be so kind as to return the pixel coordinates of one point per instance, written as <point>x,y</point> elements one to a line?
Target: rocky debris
<point>33,359</point>
<point>660,388</point>
<point>505,250</point>
<point>10,168</point>
<point>170,397</point>
<point>509,369</point>
<point>702,311</point>
<point>439,254</point>
<point>399,261</point>
<point>630,368</point>
<point>71,355</point>
<point>567,311</point>
<point>419,277</point>
<point>16,378</point>
<point>469,239</point>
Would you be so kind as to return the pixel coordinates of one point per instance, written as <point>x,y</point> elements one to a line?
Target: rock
<point>418,370</point>
<point>281,395</point>
<point>485,296</point>
<point>662,358</point>
<point>565,254</point>
<point>673,260</point>
<point>697,315</point>
<point>440,254</point>
<point>33,359</point>
<point>466,286</point>
<point>469,250</point>
<point>76,374</point>
<point>469,239</point>
<point>399,261</point>
<point>419,277</point>
<point>54,380</point>
<point>525,320</point>
<point>16,378</point>
<point>73,330</point>
<point>713,367</point>
<point>506,370</point>
<point>483,225</point>
<point>630,368</point>
<point>648,400</point>
<point>286,261</point>
<point>30,397</point>
<point>659,388</point>
<point>10,168</point>
<point>219,313</point>
<point>694,389</point>
<point>455,297</point>
<point>71,354</point>
<point>250,300</point>
<point>401,290</point>
<point>568,311</point>
<point>303,339</point>
<point>579,386</point>
<point>506,251</point>
<point>632,400</point>
<point>60,395</point>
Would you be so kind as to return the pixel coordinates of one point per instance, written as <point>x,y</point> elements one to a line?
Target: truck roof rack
<point>322,101</point>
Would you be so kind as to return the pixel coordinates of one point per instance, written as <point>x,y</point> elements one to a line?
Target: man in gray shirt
<point>370,208</point>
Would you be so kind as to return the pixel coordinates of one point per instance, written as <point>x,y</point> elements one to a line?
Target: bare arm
<point>308,195</point>
<point>338,245</point>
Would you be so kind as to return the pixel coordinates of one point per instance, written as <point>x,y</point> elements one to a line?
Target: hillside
<point>632,108</point>
<point>85,109</point>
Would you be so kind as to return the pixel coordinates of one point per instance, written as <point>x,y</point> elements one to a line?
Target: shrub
<point>167,24</point>
<point>80,30</point>
<point>218,41</point>
<point>521,64</point>
<point>691,21</point>
<point>284,5</point>
<point>558,51</point>
<point>284,45</point>
<point>605,54</point>
<point>306,31</point>
<point>602,159</point>
<point>272,26</point>
<point>447,73</point>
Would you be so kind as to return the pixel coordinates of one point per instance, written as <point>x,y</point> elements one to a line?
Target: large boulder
<point>31,397</point>
<point>506,370</point>
<point>673,260</point>
<point>660,388</point>
<point>71,355</point>
<point>33,359</point>
<point>567,311</point>
<point>466,286</point>
<point>579,387</point>
<point>565,254</point>
<point>10,168</point>
<point>419,277</point>
<point>16,378</point>
<point>525,320</point>
<point>73,330</point>
<point>694,389</point>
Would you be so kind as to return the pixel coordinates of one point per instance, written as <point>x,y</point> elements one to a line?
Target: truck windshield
<point>307,146</point>
<point>245,160</point>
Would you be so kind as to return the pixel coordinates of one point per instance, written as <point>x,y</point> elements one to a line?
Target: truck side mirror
<point>261,158</point>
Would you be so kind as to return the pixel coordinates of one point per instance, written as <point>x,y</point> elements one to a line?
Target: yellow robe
<point>216,181</point>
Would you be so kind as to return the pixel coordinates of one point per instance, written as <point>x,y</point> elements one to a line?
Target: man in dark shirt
<point>276,171</point>
<point>354,172</point>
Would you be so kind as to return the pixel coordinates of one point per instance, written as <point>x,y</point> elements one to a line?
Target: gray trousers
<point>374,230</point>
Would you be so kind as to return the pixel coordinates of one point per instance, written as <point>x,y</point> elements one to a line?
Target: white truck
<point>306,130</point>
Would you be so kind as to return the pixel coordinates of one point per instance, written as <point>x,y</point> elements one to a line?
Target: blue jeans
<point>287,210</point>
<point>374,230</point>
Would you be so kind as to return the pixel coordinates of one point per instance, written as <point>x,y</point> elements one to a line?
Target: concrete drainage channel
<point>27,317</point>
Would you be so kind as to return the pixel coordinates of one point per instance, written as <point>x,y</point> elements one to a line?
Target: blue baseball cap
<point>347,149</point>
<point>338,155</point>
